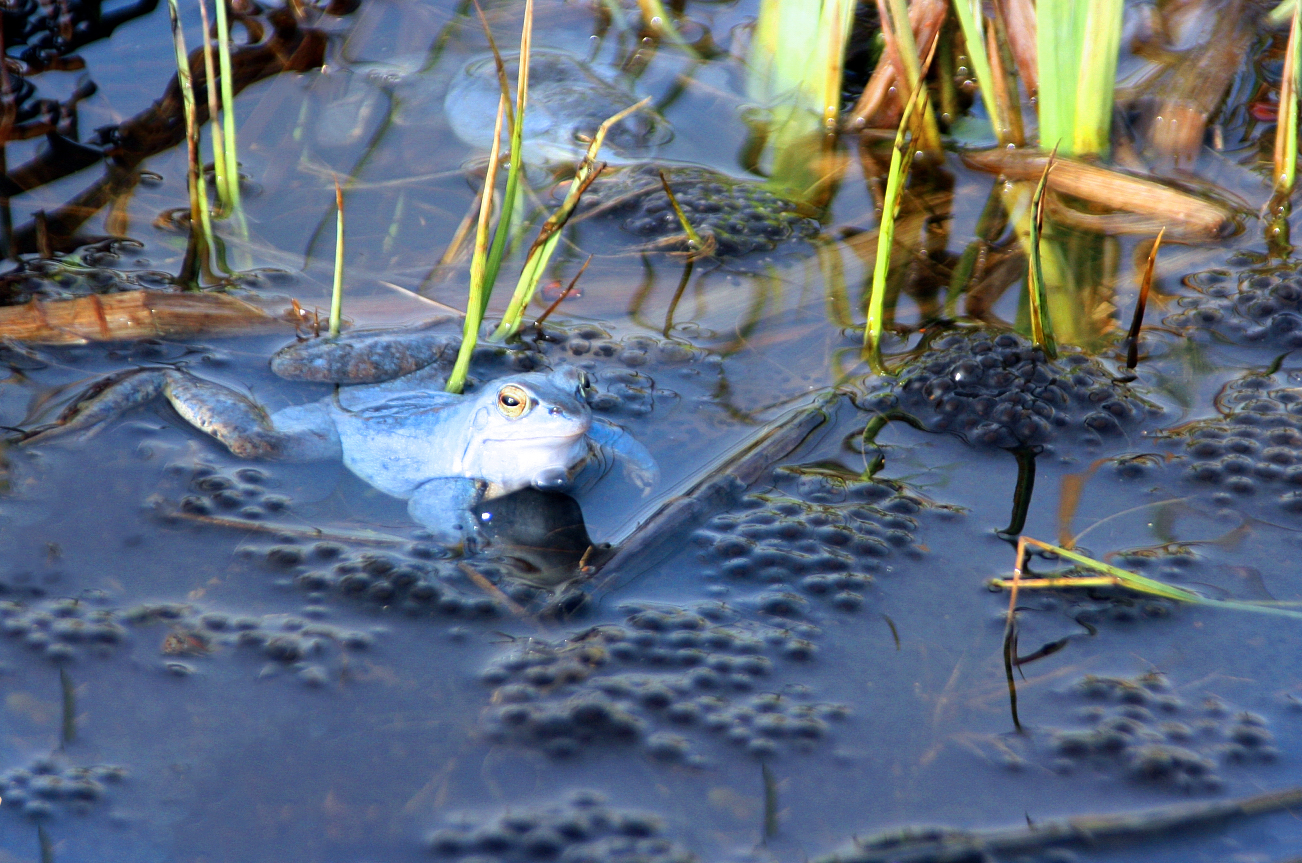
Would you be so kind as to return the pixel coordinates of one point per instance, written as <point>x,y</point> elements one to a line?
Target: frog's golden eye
<point>512,401</point>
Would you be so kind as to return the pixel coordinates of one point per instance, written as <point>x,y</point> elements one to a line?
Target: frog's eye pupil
<point>512,402</point>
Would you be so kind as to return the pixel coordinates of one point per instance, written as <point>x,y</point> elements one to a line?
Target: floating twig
<point>925,846</point>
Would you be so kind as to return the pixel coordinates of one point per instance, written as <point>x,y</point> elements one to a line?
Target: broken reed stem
<point>1037,293</point>
<point>1145,285</point>
<point>200,221</point>
<point>337,290</point>
<point>692,237</point>
<point>220,179</point>
<point>1286,129</point>
<point>1121,578</point>
<point>901,160</point>
<point>565,293</point>
<point>475,302</point>
<point>549,235</point>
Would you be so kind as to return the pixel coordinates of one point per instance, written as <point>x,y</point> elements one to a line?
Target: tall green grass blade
<point>550,234</point>
<point>1057,51</point>
<point>971,21</point>
<point>475,302</point>
<point>794,69</point>
<point>1100,45</point>
<point>337,290</point>
<point>214,116</point>
<point>1286,129</point>
<point>1037,291</point>
<point>908,48</point>
<point>514,172</point>
<point>901,160</point>
<point>200,218</point>
<point>228,122</point>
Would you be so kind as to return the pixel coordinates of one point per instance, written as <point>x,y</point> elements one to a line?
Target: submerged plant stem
<point>337,290</point>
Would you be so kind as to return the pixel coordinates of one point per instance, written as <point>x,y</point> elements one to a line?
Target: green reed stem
<point>337,289</point>
<point>1286,128</point>
<point>515,171</point>
<point>972,21</point>
<point>228,120</point>
<point>200,220</point>
<point>550,233</point>
<point>214,116</point>
<point>1100,44</point>
<point>692,237</point>
<point>901,160</point>
<point>475,302</point>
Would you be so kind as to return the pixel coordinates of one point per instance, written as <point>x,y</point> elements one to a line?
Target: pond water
<point>205,658</point>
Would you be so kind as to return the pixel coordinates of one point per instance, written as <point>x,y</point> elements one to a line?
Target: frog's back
<point>404,441</point>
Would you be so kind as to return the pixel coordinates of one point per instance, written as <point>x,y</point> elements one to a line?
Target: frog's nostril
<point>555,411</point>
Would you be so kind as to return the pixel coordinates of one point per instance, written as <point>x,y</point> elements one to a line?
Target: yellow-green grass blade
<point>475,303</point>
<point>1101,42</point>
<point>337,289</point>
<point>549,235</point>
<point>1286,128</point>
<point>972,22</point>
<point>514,172</point>
<point>901,159</point>
<point>1037,292</point>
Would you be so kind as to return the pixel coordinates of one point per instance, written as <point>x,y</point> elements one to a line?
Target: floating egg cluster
<point>1000,391</point>
<point>664,674</point>
<point>1254,306</point>
<point>585,829</point>
<point>742,216</point>
<point>1138,728</point>
<point>47,785</point>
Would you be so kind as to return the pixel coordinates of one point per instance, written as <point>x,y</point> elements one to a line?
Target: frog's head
<point>530,429</point>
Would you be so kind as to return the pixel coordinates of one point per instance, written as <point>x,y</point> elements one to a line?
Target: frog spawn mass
<point>1258,306</point>
<point>661,679</point>
<point>814,536</point>
<point>1000,391</point>
<point>65,630</point>
<point>1256,447</point>
<point>49,785</point>
<point>737,217</point>
<point>584,829</point>
<point>1139,730</point>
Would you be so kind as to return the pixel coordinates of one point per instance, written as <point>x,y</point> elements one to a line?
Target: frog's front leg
<point>638,464</point>
<point>445,506</point>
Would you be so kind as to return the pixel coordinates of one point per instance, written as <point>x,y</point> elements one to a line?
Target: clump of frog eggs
<point>584,829</point>
<point>47,785</point>
<point>822,541</point>
<point>1257,306</point>
<point>664,673</point>
<point>1138,728</point>
<point>1001,391</point>
<point>64,630</point>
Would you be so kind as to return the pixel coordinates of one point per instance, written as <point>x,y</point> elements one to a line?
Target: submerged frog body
<point>567,103</point>
<point>442,453</point>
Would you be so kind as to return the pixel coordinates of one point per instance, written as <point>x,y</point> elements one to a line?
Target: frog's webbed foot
<point>638,464</point>
<point>105,400</point>
<point>444,506</point>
